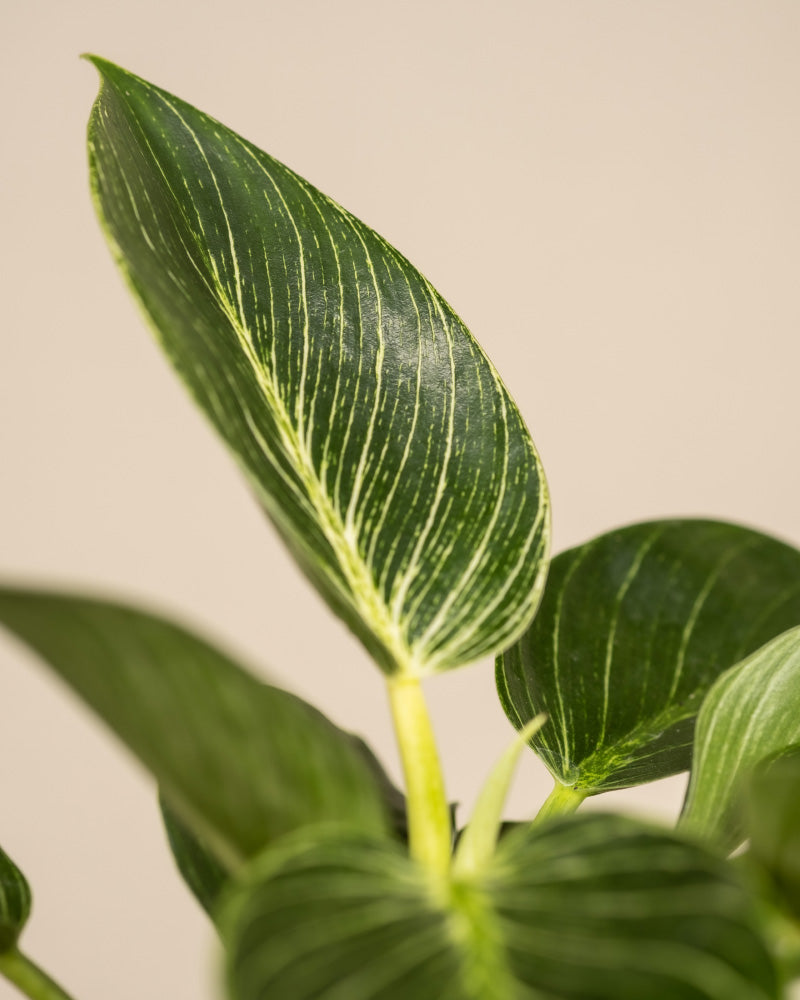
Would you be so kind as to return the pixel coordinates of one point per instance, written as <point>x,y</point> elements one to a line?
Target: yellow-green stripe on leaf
<point>635,627</point>
<point>751,714</point>
<point>597,907</point>
<point>375,433</point>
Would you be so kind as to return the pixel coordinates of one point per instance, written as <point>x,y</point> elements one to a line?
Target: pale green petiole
<point>479,839</point>
<point>562,800</point>
<point>429,828</point>
<point>29,978</point>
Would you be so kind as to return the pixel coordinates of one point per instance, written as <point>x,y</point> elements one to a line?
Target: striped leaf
<point>374,431</point>
<point>634,628</point>
<point>588,908</point>
<point>750,714</point>
<point>240,761</point>
<point>15,902</point>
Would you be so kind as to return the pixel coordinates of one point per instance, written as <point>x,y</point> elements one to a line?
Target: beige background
<point>605,191</point>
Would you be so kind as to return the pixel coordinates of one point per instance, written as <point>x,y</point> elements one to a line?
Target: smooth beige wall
<point>606,190</point>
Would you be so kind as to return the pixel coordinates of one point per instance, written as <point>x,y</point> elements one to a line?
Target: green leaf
<point>15,902</point>
<point>200,868</point>
<point>772,823</point>
<point>588,908</point>
<point>240,761</point>
<point>634,628</point>
<point>477,842</point>
<point>393,799</point>
<point>750,714</point>
<point>205,874</point>
<point>374,431</point>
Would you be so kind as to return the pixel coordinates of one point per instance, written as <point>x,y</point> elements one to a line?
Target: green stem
<point>562,800</point>
<point>429,833</point>
<point>28,977</point>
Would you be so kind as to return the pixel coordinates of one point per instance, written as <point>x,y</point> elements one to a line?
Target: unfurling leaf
<point>478,840</point>
<point>635,626</point>
<point>374,431</point>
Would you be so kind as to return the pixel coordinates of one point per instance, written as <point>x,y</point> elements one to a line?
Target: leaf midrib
<point>363,593</point>
<point>473,925</point>
<point>665,719</point>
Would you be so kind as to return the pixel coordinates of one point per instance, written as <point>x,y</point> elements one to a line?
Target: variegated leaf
<point>634,628</point>
<point>375,432</point>
<point>752,713</point>
<point>588,908</point>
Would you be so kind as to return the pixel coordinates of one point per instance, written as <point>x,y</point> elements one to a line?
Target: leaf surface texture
<point>635,627</point>
<point>591,908</point>
<point>751,714</point>
<point>373,429</point>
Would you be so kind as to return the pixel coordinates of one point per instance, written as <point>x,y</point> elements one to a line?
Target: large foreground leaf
<point>591,908</point>
<point>634,628</point>
<point>375,432</point>
<point>204,873</point>
<point>242,762</point>
<point>15,902</point>
<point>750,714</point>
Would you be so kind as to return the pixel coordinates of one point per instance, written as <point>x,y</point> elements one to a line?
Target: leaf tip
<point>109,72</point>
<point>97,61</point>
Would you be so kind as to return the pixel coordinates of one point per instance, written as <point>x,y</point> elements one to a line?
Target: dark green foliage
<point>635,626</point>
<point>15,902</point>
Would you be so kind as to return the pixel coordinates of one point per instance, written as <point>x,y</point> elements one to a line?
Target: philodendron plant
<point>387,453</point>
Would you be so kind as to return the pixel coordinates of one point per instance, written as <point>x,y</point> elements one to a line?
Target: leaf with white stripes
<point>241,762</point>
<point>635,626</point>
<point>15,902</point>
<point>374,431</point>
<point>750,714</point>
<point>587,908</point>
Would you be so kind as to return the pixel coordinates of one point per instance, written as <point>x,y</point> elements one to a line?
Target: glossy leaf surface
<point>591,908</point>
<point>375,432</point>
<point>752,713</point>
<point>635,626</point>
<point>15,902</point>
<point>241,762</point>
